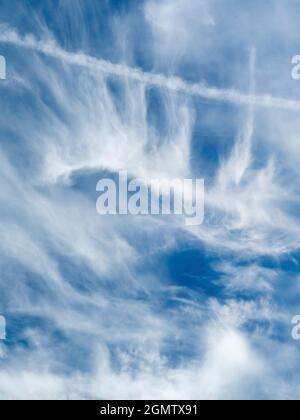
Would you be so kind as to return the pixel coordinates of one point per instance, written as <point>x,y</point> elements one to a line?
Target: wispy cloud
<point>171,83</point>
<point>91,297</point>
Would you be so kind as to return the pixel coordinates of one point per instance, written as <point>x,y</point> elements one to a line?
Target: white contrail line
<point>233,96</point>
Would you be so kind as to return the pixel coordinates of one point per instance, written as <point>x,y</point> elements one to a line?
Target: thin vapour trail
<point>233,96</point>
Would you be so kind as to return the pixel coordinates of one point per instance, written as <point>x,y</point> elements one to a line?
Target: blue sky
<point>145,307</point>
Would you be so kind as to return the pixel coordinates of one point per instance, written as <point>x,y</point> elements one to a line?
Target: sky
<point>146,307</point>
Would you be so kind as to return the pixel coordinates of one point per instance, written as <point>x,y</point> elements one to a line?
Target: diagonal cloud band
<point>50,48</point>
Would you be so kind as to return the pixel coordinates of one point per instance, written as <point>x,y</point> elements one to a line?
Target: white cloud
<point>227,366</point>
<point>176,24</point>
<point>74,125</point>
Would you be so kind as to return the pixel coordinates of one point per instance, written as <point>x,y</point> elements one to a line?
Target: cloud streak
<point>114,307</point>
<point>176,84</point>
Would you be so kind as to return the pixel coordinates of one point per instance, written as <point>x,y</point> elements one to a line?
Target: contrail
<point>233,96</point>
